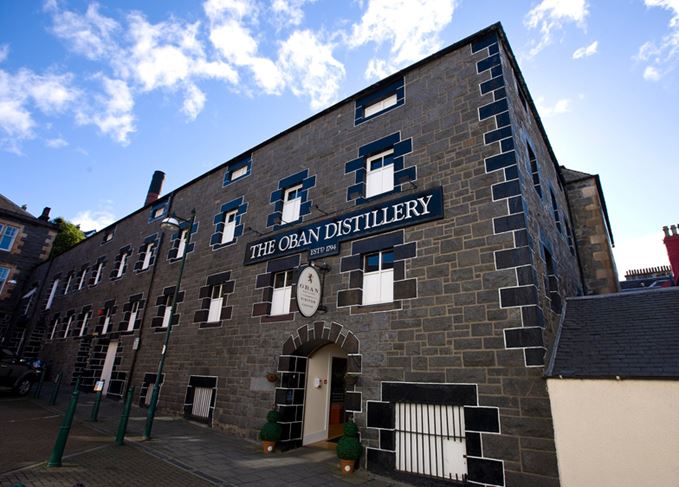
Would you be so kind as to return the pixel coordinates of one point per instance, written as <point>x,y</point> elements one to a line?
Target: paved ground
<point>181,453</point>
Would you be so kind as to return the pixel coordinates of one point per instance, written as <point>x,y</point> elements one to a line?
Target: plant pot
<point>272,377</point>
<point>347,466</point>
<point>268,446</point>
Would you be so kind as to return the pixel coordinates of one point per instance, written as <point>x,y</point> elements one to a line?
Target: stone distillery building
<point>440,231</point>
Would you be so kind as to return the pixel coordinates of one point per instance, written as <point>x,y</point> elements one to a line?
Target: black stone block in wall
<point>532,316</point>
<point>381,462</point>
<point>505,190</point>
<point>482,419</point>
<point>502,119</point>
<point>349,297</point>
<point>493,109</point>
<point>484,42</point>
<point>380,242</point>
<point>534,356</point>
<point>350,263</point>
<point>350,343</point>
<point>352,401</point>
<point>499,161</point>
<point>355,279</point>
<point>200,316</point>
<point>380,415</point>
<point>406,251</point>
<point>516,205</point>
<point>449,394</point>
<point>518,296</point>
<point>473,444</point>
<point>354,363</point>
<point>496,135</point>
<point>487,63</point>
<point>405,289</point>
<point>524,337</point>
<point>492,84</point>
<point>335,330</point>
<point>285,363</point>
<point>485,471</point>
<point>507,223</point>
<point>526,275</point>
<point>295,430</point>
<point>283,264</point>
<point>387,440</point>
<point>287,413</point>
<point>282,396</point>
<point>289,346</point>
<point>505,259</point>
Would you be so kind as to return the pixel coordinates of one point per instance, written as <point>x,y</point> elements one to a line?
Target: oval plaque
<point>308,291</point>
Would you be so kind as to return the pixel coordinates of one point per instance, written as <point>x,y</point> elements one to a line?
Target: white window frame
<point>86,318</point>
<point>214,313</point>
<point>4,277</point>
<point>107,321</point>
<point>148,253</point>
<point>158,212</point>
<point>282,293</point>
<point>3,233</point>
<point>292,204</point>
<point>55,324</point>
<point>229,231</point>
<point>239,173</point>
<point>134,311</point>
<point>381,179</point>
<point>97,275</point>
<point>379,106</point>
<point>378,285</point>
<point>121,267</point>
<point>53,292</point>
<point>181,248</point>
<point>28,297</point>
<point>108,236</point>
<point>68,325</point>
<point>68,283</point>
<point>82,279</point>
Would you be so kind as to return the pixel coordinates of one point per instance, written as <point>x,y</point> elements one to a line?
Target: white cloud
<point>640,252</point>
<point>23,93</point>
<point>586,51</point>
<point>289,12</point>
<point>560,106</point>
<point>56,143</point>
<point>550,16</point>
<point>90,35</point>
<point>111,113</point>
<point>93,219</point>
<point>412,27</point>
<point>4,52</point>
<point>651,74</point>
<point>216,9</point>
<point>661,57</point>
<point>310,68</point>
<point>193,101</point>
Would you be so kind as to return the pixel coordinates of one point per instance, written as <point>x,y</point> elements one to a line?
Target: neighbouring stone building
<point>25,242</point>
<point>434,210</point>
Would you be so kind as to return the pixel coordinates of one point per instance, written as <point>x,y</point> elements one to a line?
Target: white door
<point>108,365</point>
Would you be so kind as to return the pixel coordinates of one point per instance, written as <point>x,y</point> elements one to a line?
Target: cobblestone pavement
<point>180,453</point>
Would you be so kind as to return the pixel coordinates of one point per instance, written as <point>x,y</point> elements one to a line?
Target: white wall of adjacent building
<point>616,433</point>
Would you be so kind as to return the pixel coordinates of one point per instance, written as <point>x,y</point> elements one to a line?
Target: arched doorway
<point>319,350</point>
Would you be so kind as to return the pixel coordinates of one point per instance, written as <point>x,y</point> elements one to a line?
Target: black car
<point>17,373</point>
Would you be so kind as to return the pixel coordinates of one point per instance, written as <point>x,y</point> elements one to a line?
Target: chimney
<point>671,241</point>
<point>155,187</point>
<point>45,216</point>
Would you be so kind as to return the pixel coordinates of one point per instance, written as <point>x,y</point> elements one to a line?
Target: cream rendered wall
<point>316,409</point>
<point>616,433</point>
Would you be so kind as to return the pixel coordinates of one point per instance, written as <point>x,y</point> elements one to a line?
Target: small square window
<point>378,277</point>
<point>158,212</point>
<point>380,169</point>
<point>7,236</point>
<point>292,202</point>
<point>282,293</point>
<point>228,234</point>
<point>380,105</point>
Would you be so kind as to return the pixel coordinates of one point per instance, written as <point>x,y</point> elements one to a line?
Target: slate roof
<point>8,205</point>
<point>627,335</point>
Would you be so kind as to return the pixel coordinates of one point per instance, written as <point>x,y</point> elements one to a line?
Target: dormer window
<point>380,105</point>
<point>239,173</point>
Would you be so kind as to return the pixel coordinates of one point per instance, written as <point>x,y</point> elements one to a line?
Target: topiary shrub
<point>271,431</point>
<point>349,447</point>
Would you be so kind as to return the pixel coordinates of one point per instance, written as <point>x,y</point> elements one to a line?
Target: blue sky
<point>95,96</point>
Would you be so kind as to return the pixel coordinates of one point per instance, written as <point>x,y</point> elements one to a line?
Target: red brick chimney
<point>155,187</point>
<point>671,241</point>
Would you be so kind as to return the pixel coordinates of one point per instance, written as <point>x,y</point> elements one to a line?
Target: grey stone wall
<point>484,302</point>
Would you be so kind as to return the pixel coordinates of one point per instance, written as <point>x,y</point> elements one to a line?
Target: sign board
<point>309,291</point>
<point>323,238</point>
<point>99,386</point>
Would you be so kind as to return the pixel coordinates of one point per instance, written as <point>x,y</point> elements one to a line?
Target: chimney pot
<point>666,230</point>
<point>673,228</point>
<point>155,187</point>
<point>45,215</point>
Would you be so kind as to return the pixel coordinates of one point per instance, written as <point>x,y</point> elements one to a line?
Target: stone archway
<point>292,367</point>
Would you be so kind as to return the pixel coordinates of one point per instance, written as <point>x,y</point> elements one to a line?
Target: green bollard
<point>62,437</point>
<point>97,401</point>
<point>122,427</point>
<point>55,391</point>
<point>38,389</point>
